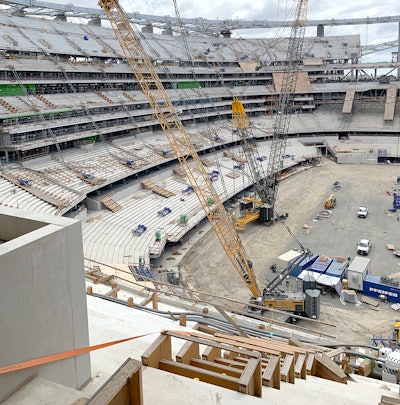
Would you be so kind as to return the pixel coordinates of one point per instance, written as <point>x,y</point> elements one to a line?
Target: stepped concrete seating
<point>20,104</point>
<point>116,97</point>
<point>15,40</point>
<point>13,196</point>
<point>42,187</point>
<point>59,43</point>
<point>143,210</point>
<point>7,109</point>
<point>61,174</point>
<point>97,162</point>
<point>64,100</point>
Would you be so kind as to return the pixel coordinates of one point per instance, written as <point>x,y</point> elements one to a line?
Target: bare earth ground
<point>206,268</point>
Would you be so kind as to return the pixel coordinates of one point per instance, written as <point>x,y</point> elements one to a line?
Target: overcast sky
<point>275,10</point>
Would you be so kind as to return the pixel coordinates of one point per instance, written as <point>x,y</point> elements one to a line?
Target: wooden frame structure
<point>239,363</point>
<point>125,386</point>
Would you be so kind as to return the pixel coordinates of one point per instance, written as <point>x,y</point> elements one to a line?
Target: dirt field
<point>206,268</point>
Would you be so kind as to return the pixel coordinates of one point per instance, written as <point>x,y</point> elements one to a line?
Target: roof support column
<point>398,51</point>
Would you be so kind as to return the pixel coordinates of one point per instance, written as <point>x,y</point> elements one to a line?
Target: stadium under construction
<point>91,190</point>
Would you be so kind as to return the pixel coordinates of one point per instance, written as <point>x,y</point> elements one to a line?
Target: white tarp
<point>349,296</point>
<point>323,279</point>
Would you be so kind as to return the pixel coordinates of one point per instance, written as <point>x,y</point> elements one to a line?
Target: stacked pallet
<point>111,204</point>
<point>156,189</point>
<point>97,276</point>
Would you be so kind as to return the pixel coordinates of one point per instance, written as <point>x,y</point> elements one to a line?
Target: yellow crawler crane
<point>180,142</point>
<point>147,77</point>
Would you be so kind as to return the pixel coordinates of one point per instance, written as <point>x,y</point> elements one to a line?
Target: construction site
<point>186,215</point>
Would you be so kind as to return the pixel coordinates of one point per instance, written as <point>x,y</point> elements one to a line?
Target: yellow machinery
<point>330,202</point>
<point>396,331</point>
<point>147,77</point>
<point>251,215</point>
<point>285,304</point>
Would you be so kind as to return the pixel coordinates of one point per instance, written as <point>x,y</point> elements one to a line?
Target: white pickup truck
<point>362,212</point>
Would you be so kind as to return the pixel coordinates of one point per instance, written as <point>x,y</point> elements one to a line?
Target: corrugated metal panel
<point>348,102</point>
<point>390,104</point>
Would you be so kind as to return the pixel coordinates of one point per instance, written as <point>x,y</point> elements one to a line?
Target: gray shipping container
<point>356,272</point>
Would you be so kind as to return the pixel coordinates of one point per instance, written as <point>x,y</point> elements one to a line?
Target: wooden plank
<point>335,352</point>
<point>111,204</point>
<point>211,353</point>
<point>287,370</point>
<point>328,369</point>
<point>123,387</point>
<point>250,381</point>
<point>300,370</point>
<point>250,345</point>
<point>146,301</point>
<point>103,279</point>
<point>310,364</point>
<point>272,374</point>
<point>365,368</point>
<point>296,342</point>
<point>192,372</point>
<point>159,349</point>
<point>113,292</point>
<point>216,367</point>
<point>369,301</point>
<point>189,351</point>
<point>209,340</point>
<point>265,343</point>
<point>389,400</point>
<point>232,363</point>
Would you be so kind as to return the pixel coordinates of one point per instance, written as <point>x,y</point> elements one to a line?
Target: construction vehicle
<point>396,331</point>
<point>294,300</point>
<point>168,117</point>
<point>330,202</point>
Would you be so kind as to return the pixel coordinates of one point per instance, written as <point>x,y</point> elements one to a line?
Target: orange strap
<point>64,355</point>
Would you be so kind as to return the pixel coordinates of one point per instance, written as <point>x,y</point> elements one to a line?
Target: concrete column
<point>398,50</point>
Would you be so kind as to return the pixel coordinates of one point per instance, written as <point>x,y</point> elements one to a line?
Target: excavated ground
<point>205,267</point>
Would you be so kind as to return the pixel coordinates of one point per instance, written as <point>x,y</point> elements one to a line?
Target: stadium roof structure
<point>199,25</point>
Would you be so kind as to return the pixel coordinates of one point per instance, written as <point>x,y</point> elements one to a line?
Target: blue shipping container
<point>304,264</point>
<point>373,287</point>
<point>321,264</point>
<point>337,269</point>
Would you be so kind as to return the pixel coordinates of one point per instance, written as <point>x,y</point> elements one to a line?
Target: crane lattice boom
<point>180,142</point>
<point>241,122</point>
<point>282,121</point>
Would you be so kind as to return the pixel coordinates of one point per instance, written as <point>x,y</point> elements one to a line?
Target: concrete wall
<point>42,298</point>
<point>354,158</point>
